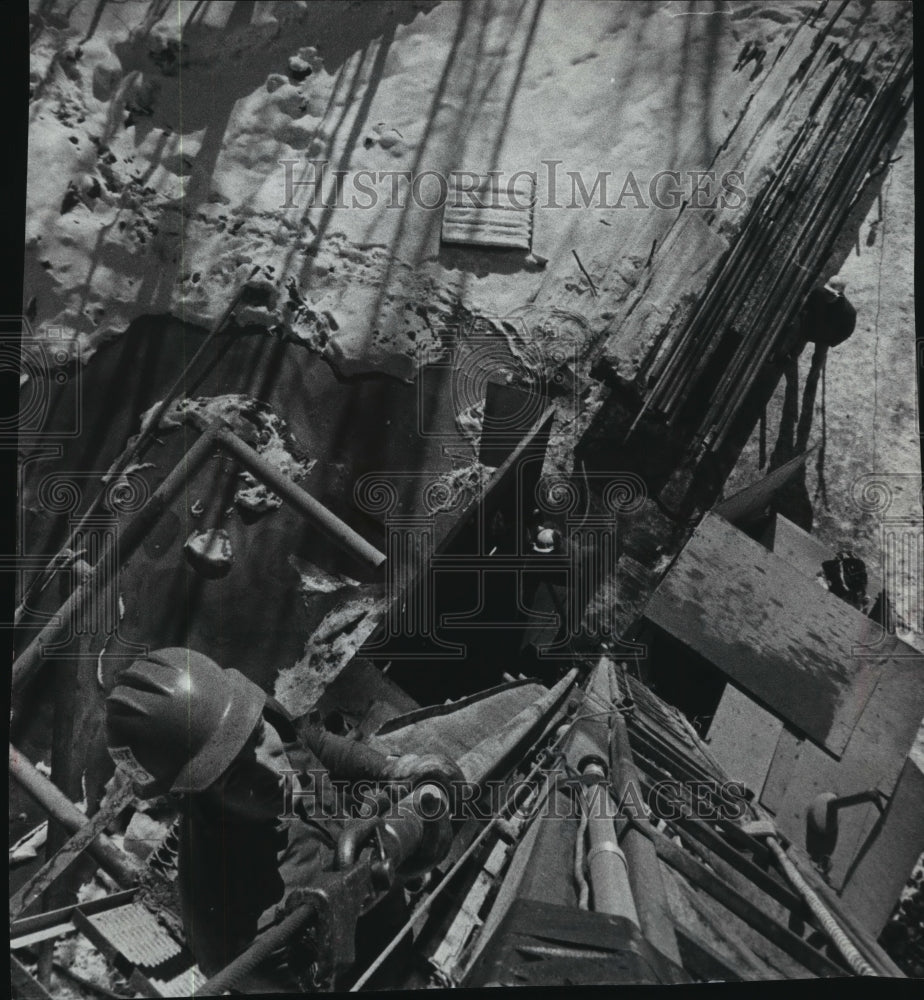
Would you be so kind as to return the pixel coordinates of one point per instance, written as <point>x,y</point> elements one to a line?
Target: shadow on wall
<point>184,78</point>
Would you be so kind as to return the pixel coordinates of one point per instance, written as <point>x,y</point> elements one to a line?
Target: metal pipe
<point>644,868</point>
<point>113,861</point>
<point>135,447</point>
<point>338,531</point>
<point>705,879</point>
<point>477,764</point>
<point>869,134</point>
<point>277,935</point>
<point>606,863</point>
<point>125,542</point>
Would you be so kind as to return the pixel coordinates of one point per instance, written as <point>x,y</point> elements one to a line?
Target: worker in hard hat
<point>829,318</point>
<point>845,576</point>
<point>544,538</point>
<point>180,724</point>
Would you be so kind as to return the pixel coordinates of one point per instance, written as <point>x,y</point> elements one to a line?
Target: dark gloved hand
<point>413,769</point>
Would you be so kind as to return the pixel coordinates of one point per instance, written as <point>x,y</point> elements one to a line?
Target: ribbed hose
<point>579,877</point>
<point>840,940</point>
<point>245,964</point>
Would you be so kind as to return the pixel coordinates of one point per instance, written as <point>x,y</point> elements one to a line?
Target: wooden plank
<point>879,874</point>
<point>53,917</point>
<point>492,213</point>
<point>779,636</point>
<point>66,855</point>
<point>785,756</point>
<point>24,984</point>
<point>874,758</point>
<point>43,934</point>
<point>750,503</point>
<point>743,738</point>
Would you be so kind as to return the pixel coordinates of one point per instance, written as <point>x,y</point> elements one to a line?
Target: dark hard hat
<point>176,720</point>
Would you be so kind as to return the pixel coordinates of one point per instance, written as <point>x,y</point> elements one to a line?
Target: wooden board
<point>806,553</point>
<point>873,759</point>
<point>786,756</point>
<point>743,738</point>
<point>486,213</point>
<point>881,872</point>
<point>778,635</point>
<point>751,502</point>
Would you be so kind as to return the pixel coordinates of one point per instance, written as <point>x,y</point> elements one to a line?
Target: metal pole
<point>476,764</point>
<point>132,450</point>
<point>644,868</point>
<point>242,966</point>
<point>338,531</point>
<point>59,807</point>
<point>127,539</point>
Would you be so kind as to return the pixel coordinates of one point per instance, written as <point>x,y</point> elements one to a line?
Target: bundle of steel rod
<point>748,269</point>
<point>689,340</point>
<point>813,244</point>
<point>763,279</point>
<point>662,350</point>
<point>741,263</point>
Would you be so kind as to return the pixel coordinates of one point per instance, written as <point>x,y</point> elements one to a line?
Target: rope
<point>840,940</point>
<point>762,440</point>
<point>579,876</point>
<point>821,487</point>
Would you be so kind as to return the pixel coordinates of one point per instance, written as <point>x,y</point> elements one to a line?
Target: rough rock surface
<point>180,137</point>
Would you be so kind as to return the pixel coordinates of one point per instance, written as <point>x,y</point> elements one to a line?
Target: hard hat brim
<point>239,719</point>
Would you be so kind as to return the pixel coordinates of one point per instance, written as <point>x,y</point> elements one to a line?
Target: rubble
<point>255,424</point>
<point>209,553</point>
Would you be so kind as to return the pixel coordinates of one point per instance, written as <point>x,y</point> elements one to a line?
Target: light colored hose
<point>840,940</point>
<point>579,876</point>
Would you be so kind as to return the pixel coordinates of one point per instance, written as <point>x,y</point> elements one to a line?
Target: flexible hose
<point>840,940</point>
<point>579,877</point>
<point>276,936</point>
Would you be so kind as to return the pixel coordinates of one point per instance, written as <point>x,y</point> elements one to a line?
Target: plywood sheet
<point>771,630</point>
<point>806,553</point>
<point>881,872</point>
<point>743,738</point>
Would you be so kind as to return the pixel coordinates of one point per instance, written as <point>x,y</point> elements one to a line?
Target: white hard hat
<point>545,541</point>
